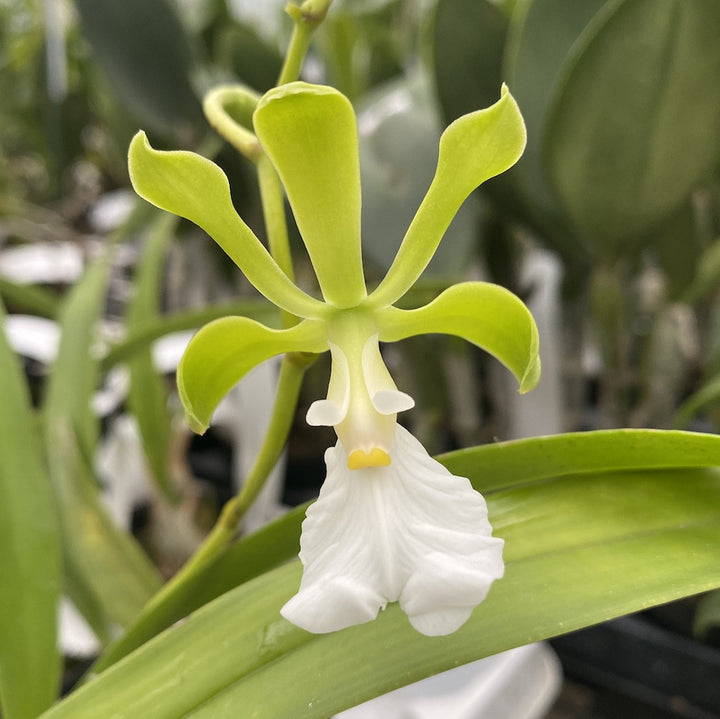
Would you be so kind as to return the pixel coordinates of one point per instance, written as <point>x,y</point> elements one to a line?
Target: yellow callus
<point>360,459</point>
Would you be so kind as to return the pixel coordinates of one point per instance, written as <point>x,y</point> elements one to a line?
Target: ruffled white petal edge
<point>411,532</point>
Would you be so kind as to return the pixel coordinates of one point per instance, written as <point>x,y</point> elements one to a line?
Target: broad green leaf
<point>145,53</point>
<point>148,395</point>
<point>468,37</point>
<point>31,576</point>
<point>707,616</point>
<point>532,65</point>
<point>220,354</point>
<point>153,328</point>
<point>490,468</point>
<point>473,149</point>
<point>310,134</point>
<point>487,315</point>
<point>193,187</point>
<point>507,464</point>
<point>107,575</point>
<point>620,542</point>
<point>634,125</point>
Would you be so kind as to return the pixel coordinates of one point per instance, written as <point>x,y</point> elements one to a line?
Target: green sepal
<point>222,352</point>
<point>310,134</point>
<point>473,149</point>
<point>487,315</point>
<point>193,187</point>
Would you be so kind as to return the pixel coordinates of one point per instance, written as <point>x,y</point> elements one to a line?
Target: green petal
<point>473,149</point>
<point>487,315</point>
<point>222,352</point>
<point>193,187</point>
<point>310,134</point>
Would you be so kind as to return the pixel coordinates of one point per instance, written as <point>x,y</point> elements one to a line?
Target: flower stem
<point>306,17</point>
<point>288,389</point>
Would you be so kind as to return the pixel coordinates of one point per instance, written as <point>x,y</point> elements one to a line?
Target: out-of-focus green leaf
<point>148,395</point>
<point>468,38</point>
<point>707,616</point>
<point>541,34</point>
<point>154,328</point>
<point>634,125</point>
<point>487,315</point>
<point>579,549</point>
<point>708,394</point>
<point>28,298</point>
<point>31,575</point>
<point>253,61</point>
<point>490,468</point>
<point>142,47</point>
<point>107,575</point>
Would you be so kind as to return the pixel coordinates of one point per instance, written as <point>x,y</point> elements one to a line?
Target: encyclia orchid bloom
<point>391,523</point>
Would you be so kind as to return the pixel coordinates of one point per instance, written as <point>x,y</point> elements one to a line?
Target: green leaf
<point>31,576</point>
<point>148,395</point>
<point>473,149</point>
<point>487,315</point>
<point>584,548</point>
<point>145,53</point>
<point>193,187</point>
<point>490,468</point>
<point>107,575</point>
<point>310,134</point>
<point>220,354</point>
<point>507,464</point>
<point>468,37</point>
<point>532,67</point>
<point>28,298</point>
<point>634,127</point>
<point>708,394</point>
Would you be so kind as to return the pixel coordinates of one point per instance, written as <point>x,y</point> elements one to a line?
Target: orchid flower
<point>391,523</point>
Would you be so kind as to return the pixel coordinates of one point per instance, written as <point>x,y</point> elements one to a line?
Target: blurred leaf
<point>707,616</point>
<point>28,298</point>
<point>250,59</point>
<point>634,126</point>
<point>31,576</point>
<point>541,34</point>
<point>468,38</point>
<point>490,468</point>
<point>708,394</point>
<point>107,575</point>
<point>148,395</point>
<point>707,277</point>
<point>141,46</point>
<point>583,548</point>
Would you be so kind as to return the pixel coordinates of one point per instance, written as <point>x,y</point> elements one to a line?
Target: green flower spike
<point>391,524</point>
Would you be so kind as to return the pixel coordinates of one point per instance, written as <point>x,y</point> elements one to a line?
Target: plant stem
<point>288,389</point>
<point>306,18</point>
